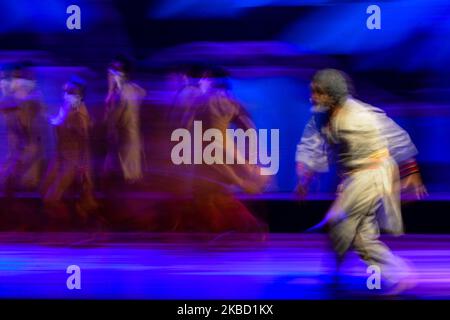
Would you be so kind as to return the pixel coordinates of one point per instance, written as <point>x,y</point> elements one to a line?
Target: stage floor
<point>204,266</point>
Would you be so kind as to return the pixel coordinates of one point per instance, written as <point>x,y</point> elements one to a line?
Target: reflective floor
<point>205,266</point>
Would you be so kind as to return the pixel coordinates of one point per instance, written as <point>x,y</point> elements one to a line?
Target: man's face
<point>320,98</point>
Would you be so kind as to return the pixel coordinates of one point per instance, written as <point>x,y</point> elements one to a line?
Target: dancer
<point>214,203</point>
<point>369,147</point>
<point>71,165</point>
<point>187,92</point>
<point>181,93</point>
<point>124,158</point>
<point>23,111</point>
<point>180,115</point>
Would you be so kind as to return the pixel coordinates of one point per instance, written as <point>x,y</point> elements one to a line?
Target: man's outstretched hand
<point>413,185</point>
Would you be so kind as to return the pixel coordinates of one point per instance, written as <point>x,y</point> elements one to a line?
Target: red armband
<point>408,168</point>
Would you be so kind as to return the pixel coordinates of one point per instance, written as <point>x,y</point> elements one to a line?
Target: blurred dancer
<point>215,204</point>
<point>124,158</point>
<point>180,115</point>
<point>20,104</point>
<point>183,105</point>
<point>71,166</point>
<point>181,93</point>
<point>369,146</point>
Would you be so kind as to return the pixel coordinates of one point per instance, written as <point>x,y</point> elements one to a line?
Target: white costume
<point>123,125</point>
<point>368,145</point>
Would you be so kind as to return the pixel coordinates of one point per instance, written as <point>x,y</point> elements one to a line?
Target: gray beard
<point>319,108</point>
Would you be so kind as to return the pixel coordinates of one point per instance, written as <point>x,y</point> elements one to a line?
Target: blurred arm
<point>312,150</point>
<point>403,150</point>
<point>311,156</point>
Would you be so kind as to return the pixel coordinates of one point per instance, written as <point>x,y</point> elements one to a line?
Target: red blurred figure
<point>215,207</point>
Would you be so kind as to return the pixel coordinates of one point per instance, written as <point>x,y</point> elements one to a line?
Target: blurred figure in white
<point>124,158</point>
<point>369,148</point>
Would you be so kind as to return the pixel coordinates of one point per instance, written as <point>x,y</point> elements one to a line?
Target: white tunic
<point>367,145</point>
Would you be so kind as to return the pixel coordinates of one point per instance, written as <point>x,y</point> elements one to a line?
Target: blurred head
<point>180,76</point>
<point>22,80</point>
<point>205,83</point>
<point>329,88</point>
<point>213,78</point>
<point>119,70</point>
<point>74,92</point>
<point>178,79</point>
